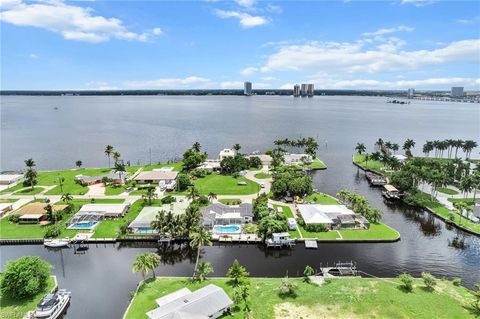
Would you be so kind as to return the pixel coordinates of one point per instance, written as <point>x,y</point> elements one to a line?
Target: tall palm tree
<point>237,147</point>
<point>379,144</point>
<point>193,193</point>
<point>395,147</point>
<point>120,169</point>
<point>458,144</point>
<point>204,269</point>
<point>116,156</point>
<point>29,163</point>
<point>427,148</point>
<point>360,148</point>
<point>468,146</point>
<point>460,207</point>
<point>149,194</point>
<point>108,151</point>
<point>141,264</point>
<point>66,198</point>
<point>61,180</point>
<point>196,147</point>
<point>212,196</point>
<point>200,237</point>
<point>30,177</point>
<point>407,146</point>
<point>153,260</point>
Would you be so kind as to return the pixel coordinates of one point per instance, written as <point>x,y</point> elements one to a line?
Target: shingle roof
<point>156,175</point>
<point>37,208</point>
<point>211,211</point>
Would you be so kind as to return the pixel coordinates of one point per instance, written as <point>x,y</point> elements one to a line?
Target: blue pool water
<point>85,225</point>
<point>230,229</point>
<point>145,230</point>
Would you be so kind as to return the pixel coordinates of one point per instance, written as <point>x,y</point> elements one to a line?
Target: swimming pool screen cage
<point>85,217</point>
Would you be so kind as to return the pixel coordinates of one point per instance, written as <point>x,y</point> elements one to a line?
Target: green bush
<point>315,228</point>
<point>457,281</point>
<point>168,199</point>
<point>407,282</point>
<point>13,218</point>
<point>249,229</point>
<point>52,231</point>
<point>429,280</point>
<point>24,277</point>
<point>200,172</point>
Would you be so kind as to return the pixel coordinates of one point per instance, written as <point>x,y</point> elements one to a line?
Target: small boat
<point>375,179</point>
<point>52,305</point>
<point>56,243</point>
<point>391,192</point>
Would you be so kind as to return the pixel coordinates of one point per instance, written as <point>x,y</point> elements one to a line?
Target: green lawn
<point>469,201</point>
<point>29,191</point>
<point>376,231</point>
<point>18,308</point>
<point>320,198</point>
<point>448,191</point>
<point>326,235</point>
<point>110,228</point>
<point>262,175</point>
<point>462,221</point>
<point>230,201</point>
<point>177,166</point>
<point>372,165</point>
<point>341,298</point>
<point>225,185</point>
<point>289,214</point>
<point>316,164</point>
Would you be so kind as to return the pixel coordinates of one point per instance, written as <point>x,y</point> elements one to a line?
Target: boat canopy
<point>390,188</point>
<point>48,301</point>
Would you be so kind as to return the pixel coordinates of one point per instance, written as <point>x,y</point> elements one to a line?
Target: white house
<point>293,159</point>
<point>227,153</point>
<point>208,302</point>
<point>332,216</point>
<point>107,210</point>
<point>221,214</point>
<point>165,179</point>
<point>7,179</point>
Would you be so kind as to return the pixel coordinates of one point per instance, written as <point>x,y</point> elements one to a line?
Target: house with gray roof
<point>208,302</point>
<point>221,214</point>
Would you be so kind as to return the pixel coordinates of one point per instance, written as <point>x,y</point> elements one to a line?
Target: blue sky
<point>219,44</point>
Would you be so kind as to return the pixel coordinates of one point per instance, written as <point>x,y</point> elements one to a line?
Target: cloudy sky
<point>395,44</point>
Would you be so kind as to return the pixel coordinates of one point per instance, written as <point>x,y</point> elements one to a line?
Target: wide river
<point>101,279</point>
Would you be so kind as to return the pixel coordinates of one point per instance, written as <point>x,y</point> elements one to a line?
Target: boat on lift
<point>56,243</point>
<point>53,305</point>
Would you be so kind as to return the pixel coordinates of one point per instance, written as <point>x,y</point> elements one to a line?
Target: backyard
<point>371,165</point>
<point>341,298</point>
<point>225,185</point>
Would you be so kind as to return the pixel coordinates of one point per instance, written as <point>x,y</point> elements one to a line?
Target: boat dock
<point>339,269</point>
<point>311,244</point>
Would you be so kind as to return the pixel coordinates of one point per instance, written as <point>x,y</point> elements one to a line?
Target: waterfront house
<point>212,165</point>
<point>331,216</point>
<point>264,158</point>
<point>8,179</point>
<point>164,178</point>
<point>106,210</point>
<point>280,240</point>
<point>227,152</point>
<point>5,208</point>
<point>34,213</point>
<point>297,159</point>
<point>221,214</point>
<point>116,178</point>
<point>141,225</point>
<point>205,303</point>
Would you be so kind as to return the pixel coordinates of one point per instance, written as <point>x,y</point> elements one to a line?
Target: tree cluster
<point>360,205</point>
<point>291,182</point>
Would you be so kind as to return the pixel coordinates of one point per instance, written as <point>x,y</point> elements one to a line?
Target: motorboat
<point>56,243</point>
<point>52,305</point>
<point>391,192</point>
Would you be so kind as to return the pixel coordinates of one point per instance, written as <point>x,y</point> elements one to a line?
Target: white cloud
<point>32,56</point>
<point>171,83</point>
<point>417,3</point>
<point>246,20</point>
<point>354,57</point>
<point>429,83</point>
<point>245,3</point>
<point>274,8</point>
<point>473,20</point>
<point>72,22</point>
<point>383,31</point>
<point>249,71</point>
<point>269,78</point>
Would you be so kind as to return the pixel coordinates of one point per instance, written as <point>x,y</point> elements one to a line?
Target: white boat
<point>53,305</point>
<point>55,243</point>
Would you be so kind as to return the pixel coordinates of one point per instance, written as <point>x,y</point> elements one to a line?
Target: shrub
<point>52,231</point>
<point>456,281</point>
<point>200,172</point>
<point>429,280</point>
<point>25,277</point>
<point>307,273</point>
<point>237,272</point>
<point>255,162</point>
<point>168,199</point>
<point>315,228</point>
<point>201,201</point>
<point>183,182</point>
<point>249,229</point>
<point>407,282</point>
<point>13,218</point>
<point>287,287</point>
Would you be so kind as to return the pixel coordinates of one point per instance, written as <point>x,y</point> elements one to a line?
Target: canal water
<point>100,278</point>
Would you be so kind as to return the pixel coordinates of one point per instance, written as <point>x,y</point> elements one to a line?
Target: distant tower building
<point>303,90</point>
<point>247,88</point>
<point>296,90</point>
<point>310,90</point>
<point>410,93</point>
<point>457,91</point>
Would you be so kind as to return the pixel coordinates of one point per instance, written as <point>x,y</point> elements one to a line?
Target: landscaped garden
<point>337,298</point>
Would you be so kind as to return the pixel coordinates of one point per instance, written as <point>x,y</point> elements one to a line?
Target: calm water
<point>101,279</point>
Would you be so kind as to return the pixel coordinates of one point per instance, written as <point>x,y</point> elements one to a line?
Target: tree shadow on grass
<point>472,310</point>
<point>291,295</point>
<point>404,289</point>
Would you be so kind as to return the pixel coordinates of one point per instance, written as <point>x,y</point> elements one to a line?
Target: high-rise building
<point>310,90</point>
<point>303,90</point>
<point>457,91</point>
<point>247,88</point>
<point>410,92</point>
<point>296,90</point>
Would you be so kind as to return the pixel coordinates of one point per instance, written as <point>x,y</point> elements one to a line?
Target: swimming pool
<point>227,229</point>
<point>83,225</point>
<point>145,230</point>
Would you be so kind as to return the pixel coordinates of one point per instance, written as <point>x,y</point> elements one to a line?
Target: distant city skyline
<point>399,44</point>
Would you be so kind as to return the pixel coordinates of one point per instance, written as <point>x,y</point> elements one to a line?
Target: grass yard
<point>110,228</point>
<point>289,214</point>
<point>230,201</point>
<point>320,198</point>
<point>263,175</point>
<point>372,165</point>
<point>177,166</point>
<point>376,231</point>
<point>29,191</point>
<point>462,221</point>
<point>469,201</point>
<point>18,308</point>
<point>448,191</point>
<point>316,164</point>
<point>342,298</point>
<point>225,185</point>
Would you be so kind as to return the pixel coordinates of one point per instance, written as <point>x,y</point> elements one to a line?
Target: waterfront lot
<point>225,185</point>
<point>371,165</point>
<point>339,298</point>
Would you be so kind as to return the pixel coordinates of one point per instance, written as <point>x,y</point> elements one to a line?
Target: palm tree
<point>468,146</point>
<point>212,196</point>
<point>360,148</point>
<point>29,163</point>
<point>196,147</point>
<point>66,198</point>
<point>50,213</point>
<point>120,169</point>
<point>108,151</point>
<point>458,144</point>
<point>200,237</point>
<point>367,158</point>
<point>204,269</point>
<point>116,156</point>
<point>142,264</point>
<point>149,194</point>
<point>153,260</point>
<point>237,147</point>
<point>30,177</point>
<point>78,163</point>
<point>395,147</point>
<point>427,148</point>
<point>379,144</point>
<point>407,146</point>
<point>193,193</point>
<point>461,207</point>
<point>61,180</point>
